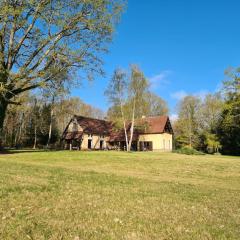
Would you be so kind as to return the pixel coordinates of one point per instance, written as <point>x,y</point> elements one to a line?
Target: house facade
<point>150,134</point>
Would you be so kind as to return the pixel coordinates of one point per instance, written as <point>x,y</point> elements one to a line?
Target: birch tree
<point>128,95</point>
<point>138,89</point>
<point>117,94</point>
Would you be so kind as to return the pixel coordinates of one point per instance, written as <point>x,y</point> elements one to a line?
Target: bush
<point>188,151</point>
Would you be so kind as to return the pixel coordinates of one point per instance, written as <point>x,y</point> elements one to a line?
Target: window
<point>145,146</point>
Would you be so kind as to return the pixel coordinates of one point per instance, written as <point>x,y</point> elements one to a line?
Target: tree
<point>208,118</point>
<point>41,39</point>
<point>186,126</point>
<point>210,112</point>
<point>128,95</point>
<point>117,94</point>
<point>156,106</point>
<point>52,93</point>
<point>138,89</point>
<point>35,121</point>
<point>212,142</point>
<point>14,127</point>
<point>229,124</point>
<point>47,122</point>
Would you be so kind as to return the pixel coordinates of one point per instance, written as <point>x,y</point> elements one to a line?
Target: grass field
<point>115,195</point>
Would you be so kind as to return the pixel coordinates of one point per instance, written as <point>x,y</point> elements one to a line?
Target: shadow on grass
<point>16,151</point>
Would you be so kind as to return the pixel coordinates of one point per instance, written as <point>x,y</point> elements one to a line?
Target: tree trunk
<point>132,127</point>
<point>35,136</point>
<point>49,132</point>
<point>35,124</point>
<point>3,110</point>
<point>190,135</point>
<point>16,136</point>
<point>20,129</point>
<point>131,136</point>
<point>50,125</point>
<point>124,126</point>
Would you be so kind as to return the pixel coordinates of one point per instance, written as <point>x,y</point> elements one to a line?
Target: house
<point>150,134</point>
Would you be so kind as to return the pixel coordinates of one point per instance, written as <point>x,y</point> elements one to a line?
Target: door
<point>101,144</point>
<point>89,143</point>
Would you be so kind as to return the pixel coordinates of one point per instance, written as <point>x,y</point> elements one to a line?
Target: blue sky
<point>183,47</point>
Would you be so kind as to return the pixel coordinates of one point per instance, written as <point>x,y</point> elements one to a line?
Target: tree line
<point>211,124</point>
<point>40,121</point>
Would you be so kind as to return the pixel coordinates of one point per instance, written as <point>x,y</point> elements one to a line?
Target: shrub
<point>188,151</point>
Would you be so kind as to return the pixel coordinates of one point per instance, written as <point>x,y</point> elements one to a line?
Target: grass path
<point>115,195</point>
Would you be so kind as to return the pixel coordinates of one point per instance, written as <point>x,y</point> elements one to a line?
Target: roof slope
<point>155,124</point>
<point>94,126</point>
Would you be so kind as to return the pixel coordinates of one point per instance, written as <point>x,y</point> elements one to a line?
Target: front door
<point>101,144</point>
<point>89,143</point>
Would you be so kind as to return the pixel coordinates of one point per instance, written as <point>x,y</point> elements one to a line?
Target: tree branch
<point>30,27</point>
<point>11,41</point>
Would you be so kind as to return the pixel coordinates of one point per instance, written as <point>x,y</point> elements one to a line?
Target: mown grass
<point>115,195</point>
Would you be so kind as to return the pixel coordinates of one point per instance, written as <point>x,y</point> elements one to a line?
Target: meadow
<point>116,195</point>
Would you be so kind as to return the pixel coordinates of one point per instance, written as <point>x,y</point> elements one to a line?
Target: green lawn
<point>115,195</point>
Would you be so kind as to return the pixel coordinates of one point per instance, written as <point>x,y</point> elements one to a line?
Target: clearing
<point>116,195</point>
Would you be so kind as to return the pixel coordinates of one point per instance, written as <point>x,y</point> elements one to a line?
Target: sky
<point>182,46</point>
